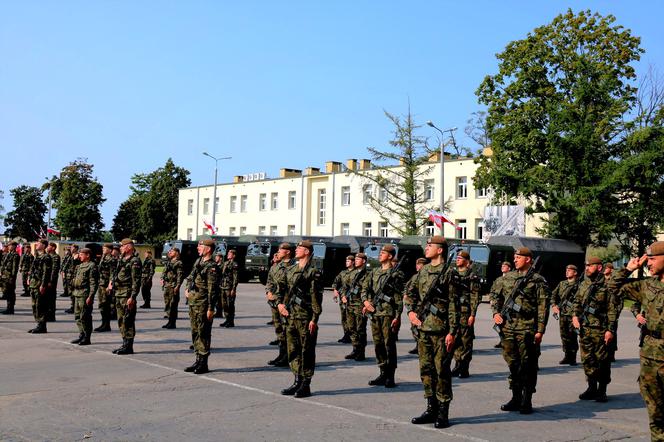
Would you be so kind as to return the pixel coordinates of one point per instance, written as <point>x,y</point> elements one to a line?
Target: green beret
<point>593,260</point>
<point>463,254</point>
<point>126,241</point>
<point>655,249</point>
<point>438,239</point>
<point>389,248</point>
<point>361,256</point>
<point>421,261</point>
<point>306,244</point>
<point>285,246</point>
<point>523,251</point>
<point>572,267</point>
<point>207,242</point>
<point>351,257</point>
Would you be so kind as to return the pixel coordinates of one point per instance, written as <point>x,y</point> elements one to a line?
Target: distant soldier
<point>106,268</point>
<point>115,254</point>
<point>352,299</point>
<point>26,262</point>
<point>83,286</point>
<point>146,279</point>
<point>219,260</point>
<point>465,288</point>
<point>66,261</point>
<point>53,282</point>
<point>300,300</point>
<point>126,283</point>
<point>648,293</point>
<point>275,277</point>
<point>607,270</point>
<point>421,262</point>
<point>339,286</point>
<point>595,318</point>
<point>202,292</point>
<point>433,313</point>
<point>382,298</point>
<point>8,273</point>
<point>40,276</point>
<point>505,268</point>
<point>525,297</point>
<point>562,304</point>
<point>229,281</point>
<point>171,281</point>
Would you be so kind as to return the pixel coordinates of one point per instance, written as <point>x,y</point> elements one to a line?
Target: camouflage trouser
<point>171,301</point>
<point>520,352</point>
<point>9,289</point>
<point>463,346</point>
<point>567,335</point>
<point>51,296</point>
<point>83,316</point>
<point>356,324</point>
<point>301,347</point>
<point>39,305</point>
<point>594,355</point>
<point>279,328</point>
<point>344,321</point>
<point>385,342</point>
<point>146,289</point>
<point>435,366</point>
<point>26,286</point>
<point>228,303</point>
<point>651,381</point>
<point>104,303</point>
<point>126,318</point>
<point>201,328</point>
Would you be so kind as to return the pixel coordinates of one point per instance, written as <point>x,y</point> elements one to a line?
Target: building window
<point>233,204</point>
<point>345,229</point>
<point>430,229</point>
<point>231,231</point>
<point>190,234</point>
<point>428,190</point>
<point>291,229</point>
<point>367,189</point>
<point>322,203</point>
<point>261,230</point>
<point>382,194</point>
<point>462,230</point>
<point>243,230</point>
<point>262,201</point>
<point>216,205</point>
<point>462,187</point>
<point>481,193</point>
<point>345,196</point>
<point>274,201</point>
<point>291,199</point>
<point>382,229</point>
<point>243,203</point>
<point>366,229</point>
<point>206,206</point>
<point>190,207</point>
<point>479,228</point>
<point>273,230</point>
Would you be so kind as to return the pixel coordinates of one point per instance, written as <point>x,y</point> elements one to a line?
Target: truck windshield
<point>258,249</point>
<point>319,250</point>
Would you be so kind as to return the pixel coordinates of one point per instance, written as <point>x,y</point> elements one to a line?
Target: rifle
<point>587,309</point>
<point>293,297</point>
<point>567,303</point>
<point>354,288</point>
<point>387,281</point>
<point>510,305</point>
<point>427,307</point>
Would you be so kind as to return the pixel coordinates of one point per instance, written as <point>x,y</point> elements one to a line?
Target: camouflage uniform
<point>356,322</point>
<point>106,267</point>
<point>229,281</point>
<point>563,297</point>
<point>127,284</point>
<point>340,284</point>
<point>24,268</point>
<point>40,275</point>
<point>8,272</point>
<point>146,280</point>
<point>172,281</point>
<point>465,288</point>
<point>53,285</point>
<point>66,261</point>
<point>84,285</point>
<point>276,277</point>
<point>203,289</point>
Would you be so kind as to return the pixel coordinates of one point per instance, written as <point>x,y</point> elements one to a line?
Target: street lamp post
<point>214,192</point>
<point>442,169</point>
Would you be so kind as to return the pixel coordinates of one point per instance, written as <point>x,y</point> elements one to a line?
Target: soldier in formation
<point>148,269</point>
<point>465,288</point>
<point>51,292</point>
<point>505,268</point>
<point>219,260</point>
<point>171,281</point>
<point>419,263</point>
<point>106,267</point>
<point>355,318</point>
<point>339,286</point>
<point>562,303</point>
<point>276,277</point>
<point>229,281</point>
<point>84,286</point>
<point>26,262</point>
<point>40,277</point>
<point>66,260</point>
<point>9,267</point>
<point>126,284</point>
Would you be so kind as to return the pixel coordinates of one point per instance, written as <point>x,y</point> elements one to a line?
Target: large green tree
<point>77,196</point>
<point>27,218</point>
<point>126,221</point>
<point>555,119</point>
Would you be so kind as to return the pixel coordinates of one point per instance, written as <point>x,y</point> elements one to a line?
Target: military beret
<point>286,246</point>
<point>463,254</point>
<point>361,256</point>
<point>306,244</point>
<point>351,257</point>
<point>219,253</point>
<point>572,267</point>
<point>421,261</point>
<point>108,245</point>
<point>438,239</point>
<point>507,263</point>
<point>12,243</point>
<point>52,244</point>
<point>609,265</point>
<point>523,251</point>
<point>232,251</point>
<point>655,249</point>
<point>116,246</point>
<point>126,241</point>
<point>85,250</point>
<point>43,241</point>
<point>593,260</point>
<point>176,250</point>
<point>207,242</point>
<point>389,248</point>
<point>74,246</point>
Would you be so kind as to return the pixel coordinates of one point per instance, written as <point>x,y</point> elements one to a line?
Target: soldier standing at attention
<point>421,262</point>
<point>106,267</point>
<point>219,260</point>
<point>528,295</point>
<point>68,275</point>
<point>339,286</point>
<point>465,288</point>
<point>115,254</point>
<point>300,302</point>
<point>607,270</point>
<point>229,280</point>
<point>9,270</point>
<point>352,299</point>
<point>171,281</point>
<point>126,283</point>
<point>84,285</point>
<point>146,279</point>
<point>562,303</point>
<point>66,260</point>
<point>382,298</point>
<point>51,291</point>
<point>26,262</point>
<point>202,290</point>
<point>40,275</point>
<point>275,277</point>
<point>434,314</point>
<point>649,294</point>
<point>595,318</point>
<point>505,268</point>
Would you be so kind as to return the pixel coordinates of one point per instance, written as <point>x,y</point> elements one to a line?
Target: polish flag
<point>210,227</point>
<point>439,218</point>
<point>53,232</point>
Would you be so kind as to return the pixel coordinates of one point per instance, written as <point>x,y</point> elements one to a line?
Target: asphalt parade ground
<point>53,390</point>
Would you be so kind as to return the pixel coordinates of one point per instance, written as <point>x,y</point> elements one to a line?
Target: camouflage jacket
<point>383,288</point>
<point>148,269</point>
<point>173,274</point>
<point>127,277</point>
<point>85,282</point>
<point>106,268</point>
<point>533,302</point>
<point>276,275</point>
<point>302,292</point>
<point>563,296</point>
<point>594,305</point>
<point>203,283</point>
<point>341,281</point>
<point>26,262</point>
<point>446,319</point>
<point>229,275</point>
<point>10,266</point>
<point>465,288</point>
<point>55,268</point>
<point>353,293</point>
<point>40,272</point>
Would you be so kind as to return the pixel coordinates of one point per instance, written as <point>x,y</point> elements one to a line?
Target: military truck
<point>259,256</point>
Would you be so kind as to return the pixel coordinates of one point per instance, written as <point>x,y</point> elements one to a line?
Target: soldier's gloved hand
<point>538,338</point>
<point>497,318</point>
<point>575,322</point>
<point>608,337</point>
<point>641,319</point>
<point>412,317</point>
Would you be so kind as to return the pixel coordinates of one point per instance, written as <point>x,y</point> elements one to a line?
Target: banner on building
<point>504,220</point>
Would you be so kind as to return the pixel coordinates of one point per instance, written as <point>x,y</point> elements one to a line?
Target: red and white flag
<point>439,218</point>
<point>210,227</point>
<point>52,231</point>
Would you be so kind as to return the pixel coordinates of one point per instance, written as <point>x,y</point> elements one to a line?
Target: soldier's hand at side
<point>42,290</point>
<point>344,300</point>
<point>641,319</point>
<point>449,342</point>
<point>312,327</point>
<point>471,320</point>
<point>110,286</point>
<point>497,318</point>
<point>186,293</point>
<point>412,317</point>
<point>608,337</point>
<point>210,315</point>
<point>575,322</point>
<point>370,308</point>
<point>538,338</point>
<point>232,294</point>
<point>271,297</point>
<point>88,301</point>
<point>396,322</point>
<point>130,303</point>
<point>282,310</point>
<point>555,309</point>
<point>335,297</point>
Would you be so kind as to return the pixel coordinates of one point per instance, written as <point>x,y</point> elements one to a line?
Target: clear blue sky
<point>127,84</point>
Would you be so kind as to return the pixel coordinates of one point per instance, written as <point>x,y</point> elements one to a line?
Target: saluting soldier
<point>83,286</point>
<point>9,272</point>
<point>300,300</point>
<point>433,313</point>
<point>562,303</point>
<point>26,262</point>
<point>171,281</point>
<point>229,281</point>
<point>339,286</point>
<point>202,291</point>
<point>40,276</point>
<point>352,299</point>
<point>275,277</point>
<point>465,288</point>
<point>382,298</point>
<point>125,284</point>
<point>146,279</point>
<point>106,267</point>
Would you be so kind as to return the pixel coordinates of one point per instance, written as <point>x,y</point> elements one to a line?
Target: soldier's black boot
<point>380,380</point>
<point>203,366</point>
<point>77,340</point>
<point>280,356</point>
<point>85,340</point>
<point>170,324</point>
<point>230,322</point>
<point>498,345</point>
<point>570,358</point>
<point>359,357</point>
<point>345,339</point>
<point>590,392</point>
<point>463,372</point>
<point>275,342</point>
<point>601,393</point>
<point>305,388</point>
<point>414,351</point>
<point>193,366</point>
<point>283,361</point>
<point>122,347</point>
<point>352,354</point>
<point>146,304</point>
<point>442,419</point>
<point>105,326</point>
<point>456,369</point>
<point>429,415</point>
<point>41,328</point>
<point>526,402</point>
<point>389,378</point>
<point>513,404</point>
<point>9,310</point>
<point>128,349</point>
<point>290,391</point>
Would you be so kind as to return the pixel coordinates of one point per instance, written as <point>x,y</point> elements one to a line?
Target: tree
<point>555,112</point>
<point>126,221</point>
<point>27,218</point>
<point>77,196</point>
<point>477,130</point>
